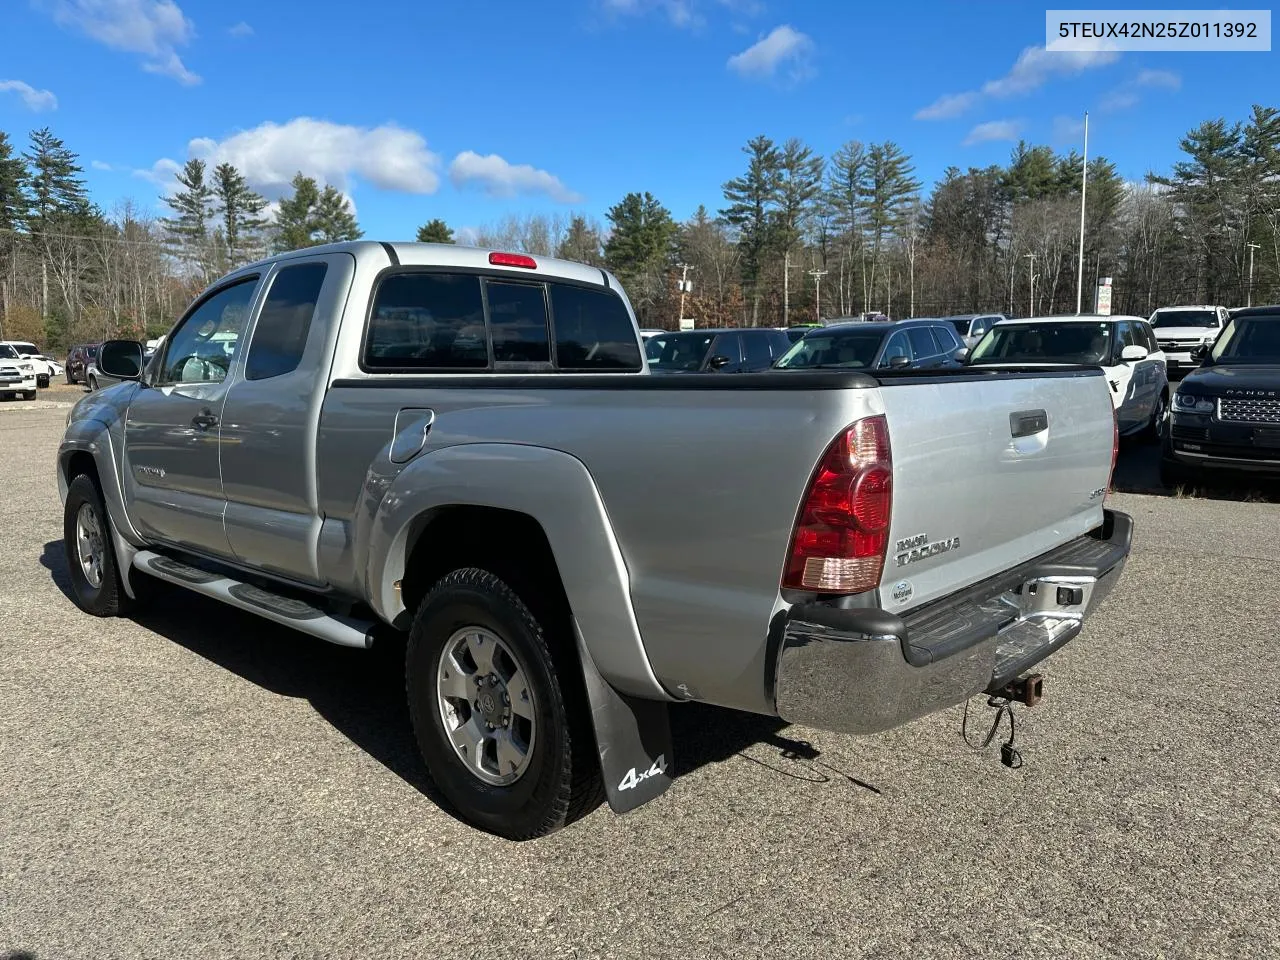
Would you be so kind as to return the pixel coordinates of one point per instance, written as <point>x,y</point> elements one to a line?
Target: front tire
<point>499,713</point>
<point>96,585</point>
<point>93,384</point>
<point>29,395</point>
<point>1159,424</point>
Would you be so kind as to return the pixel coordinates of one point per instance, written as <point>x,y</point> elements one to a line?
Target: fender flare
<point>558,492</point>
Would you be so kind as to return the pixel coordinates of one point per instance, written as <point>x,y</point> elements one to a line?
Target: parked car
<point>39,362</point>
<point>907,344</point>
<point>17,376</point>
<point>1226,413</point>
<point>1181,330</point>
<point>971,327</point>
<point>736,350</point>
<point>400,440</point>
<point>1125,348</point>
<point>78,359</point>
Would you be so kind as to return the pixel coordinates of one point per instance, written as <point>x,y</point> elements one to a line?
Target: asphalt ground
<point>199,783</point>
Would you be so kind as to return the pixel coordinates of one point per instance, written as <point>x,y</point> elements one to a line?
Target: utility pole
<point>817,292</point>
<point>1084,187</point>
<point>1031,272</point>
<point>684,288</point>
<point>1249,296</point>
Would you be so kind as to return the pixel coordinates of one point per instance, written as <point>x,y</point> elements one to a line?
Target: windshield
<point>678,351</point>
<point>1044,343</point>
<point>1184,318</point>
<point>7,352</point>
<point>26,348</point>
<point>1249,340</point>
<point>854,349</point>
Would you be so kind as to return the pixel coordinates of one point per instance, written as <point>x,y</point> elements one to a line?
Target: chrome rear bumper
<point>860,670</point>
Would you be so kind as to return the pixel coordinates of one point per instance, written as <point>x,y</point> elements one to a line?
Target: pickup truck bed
<point>835,548</point>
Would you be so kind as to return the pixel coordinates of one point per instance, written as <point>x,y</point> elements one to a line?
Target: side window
<point>518,322</point>
<point>593,330</point>
<point>203,347</point>
<point>1124,338</point>
<point>755,351</point>
<point>426,321</point>
<point>980,326</point>
<point>280,335</point>
<point>922,344</point>
<point>896,347</point>
<point>946,339</point>
<point>1150,336</point>
<point>727,345</point>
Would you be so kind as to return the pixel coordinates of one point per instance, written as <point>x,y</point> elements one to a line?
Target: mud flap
<point>633,737</point>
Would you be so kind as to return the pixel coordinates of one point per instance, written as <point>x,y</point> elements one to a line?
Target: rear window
<point>428,321</point>
<point>593,330</point>
<point>518,322</point>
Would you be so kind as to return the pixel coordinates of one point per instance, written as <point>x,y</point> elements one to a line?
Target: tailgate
<point>990,471</point>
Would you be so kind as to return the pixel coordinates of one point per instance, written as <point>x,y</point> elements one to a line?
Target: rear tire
<point>514,794</point>
<point>96,585</point>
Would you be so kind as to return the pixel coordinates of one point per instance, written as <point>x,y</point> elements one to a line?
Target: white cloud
<point>783,46</point>
<point>1118,100</point>
<point>1161,79</point>
<point>153,28</point>
<point>99,165</point>
<point>163,173</point>
<point>679,12</point>
<point>36,100</point>
<point>947,106</point>
<point>241,29</point>
<point>502,179</point>
<point>388,157</point>
<point>993,130</point>
<point>1034,67</point>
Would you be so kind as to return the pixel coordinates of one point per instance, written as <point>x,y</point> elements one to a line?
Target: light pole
<point>684,288</point>
<point>1084,187</point>
<point>817,292</point>
<point>1249,295</point>
<point>1031,273</point>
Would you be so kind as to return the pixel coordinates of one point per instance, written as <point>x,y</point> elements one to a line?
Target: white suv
<point>17,376</point>
<point>1181,330</point>
<point>27,351</point>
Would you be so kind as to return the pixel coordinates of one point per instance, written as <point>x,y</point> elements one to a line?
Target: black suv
<point>78,359</point>
<point>1226,413</point>
<point>905,345</point>
<point>742,350</point>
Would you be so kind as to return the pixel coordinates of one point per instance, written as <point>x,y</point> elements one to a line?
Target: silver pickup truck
<point>465,448</point>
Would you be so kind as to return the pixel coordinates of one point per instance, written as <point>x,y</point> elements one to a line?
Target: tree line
<point>794,237</point>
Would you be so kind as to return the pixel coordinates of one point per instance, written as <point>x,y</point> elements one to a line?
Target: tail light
<point>842,533</point>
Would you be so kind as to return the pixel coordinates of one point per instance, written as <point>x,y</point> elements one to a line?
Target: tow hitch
<point>1028,691</point>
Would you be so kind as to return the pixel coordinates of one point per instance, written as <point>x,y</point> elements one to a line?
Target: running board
<point>287,611</point>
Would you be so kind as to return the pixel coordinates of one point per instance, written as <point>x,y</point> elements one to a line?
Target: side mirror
<point>961,355</point>
<point>717,362</point>
<point>899,361</point>
<point>121,359</point>
<point>1200,352</point>
<point>1133,353</point>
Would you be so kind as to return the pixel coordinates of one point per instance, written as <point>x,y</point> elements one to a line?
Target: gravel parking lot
<point>200,783</point>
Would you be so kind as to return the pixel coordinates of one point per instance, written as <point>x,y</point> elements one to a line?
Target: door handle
<point>1027,423</point>
<point>203,421</point>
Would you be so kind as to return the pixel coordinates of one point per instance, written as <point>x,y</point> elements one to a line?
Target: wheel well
<point>509,544</point>
<point>78,463</point>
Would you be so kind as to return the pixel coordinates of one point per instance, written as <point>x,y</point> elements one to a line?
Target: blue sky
<point>469,111</point>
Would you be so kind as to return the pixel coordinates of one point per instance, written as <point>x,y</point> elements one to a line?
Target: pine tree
<point>241,210</point>
<point>193,204</point>
<point>55,183</point>
<point>844,199</point>
<point>640,247</point>
<point>295,219</point>
<point>581,243</point>
<point>752,198</point>
<point>334,221</point>
<point>435,231</point>
<point>799,180</point>
<point>888,190</point>
<point>14,202</point>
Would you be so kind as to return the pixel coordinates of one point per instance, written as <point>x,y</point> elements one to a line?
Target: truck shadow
<point>362,693</point>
